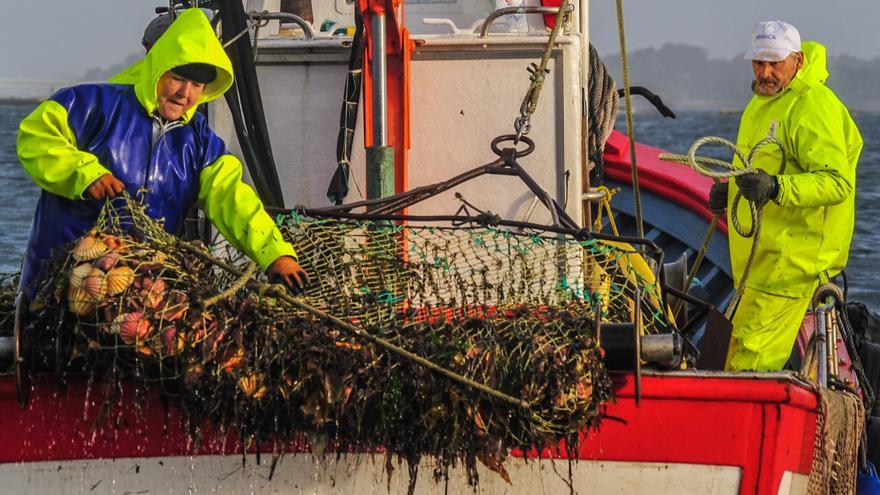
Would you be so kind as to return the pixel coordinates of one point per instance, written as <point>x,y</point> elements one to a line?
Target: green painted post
<point>380,172</point>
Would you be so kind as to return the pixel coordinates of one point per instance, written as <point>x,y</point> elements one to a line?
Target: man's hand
<point>286,269</point>
<point>718,197</point>
<point>106,186</point>
<point>759,187</point>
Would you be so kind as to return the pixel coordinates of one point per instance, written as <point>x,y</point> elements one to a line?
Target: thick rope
<point>602,110</point>
<point>630,130</point>
<point>709,167</point>
<point>233,289</point>
<point>522,125</point>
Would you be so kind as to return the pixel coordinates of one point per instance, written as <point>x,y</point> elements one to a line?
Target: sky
<point>724,28</point>
<point>60,39</point>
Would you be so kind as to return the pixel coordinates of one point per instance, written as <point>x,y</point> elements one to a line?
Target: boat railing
<point>530,9</point>
<point>284,17</point>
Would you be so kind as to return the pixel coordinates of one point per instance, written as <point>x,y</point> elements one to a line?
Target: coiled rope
<point>602,106</point>
<point>720,169</point>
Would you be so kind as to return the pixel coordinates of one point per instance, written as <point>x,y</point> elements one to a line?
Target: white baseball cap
<point>772,41</point>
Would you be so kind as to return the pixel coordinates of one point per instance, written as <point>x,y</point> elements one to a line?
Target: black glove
<point>759,187</point>
<point>718,197</point>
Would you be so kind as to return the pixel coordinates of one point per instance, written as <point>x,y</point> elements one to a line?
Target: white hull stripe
<point>358,473</point>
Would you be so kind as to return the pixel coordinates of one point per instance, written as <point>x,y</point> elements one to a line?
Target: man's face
<point>773,77</point>
<point>176,94</point>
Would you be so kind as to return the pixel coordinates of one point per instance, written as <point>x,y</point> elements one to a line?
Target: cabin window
<point>302,8</point>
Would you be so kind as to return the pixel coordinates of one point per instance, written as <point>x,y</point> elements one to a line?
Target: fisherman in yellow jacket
<point>809,201</point>
<point>88,143</point>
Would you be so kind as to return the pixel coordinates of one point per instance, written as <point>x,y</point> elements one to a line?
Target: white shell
<point>78,273</point>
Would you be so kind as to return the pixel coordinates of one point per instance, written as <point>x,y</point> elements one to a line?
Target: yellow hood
<point>189,39</point>
<point>815,69</point>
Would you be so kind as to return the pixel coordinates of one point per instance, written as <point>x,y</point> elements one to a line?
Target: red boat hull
<point>763,425</point>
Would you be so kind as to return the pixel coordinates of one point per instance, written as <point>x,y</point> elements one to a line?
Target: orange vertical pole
<point>398,50</point>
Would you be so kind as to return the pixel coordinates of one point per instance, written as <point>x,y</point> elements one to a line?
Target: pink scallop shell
<point>78,273</point>
<point>95,284</point>
<point>132,327</point>
<point>107,261</point>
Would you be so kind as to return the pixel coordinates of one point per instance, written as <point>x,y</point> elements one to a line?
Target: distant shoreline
<point>19,101</point>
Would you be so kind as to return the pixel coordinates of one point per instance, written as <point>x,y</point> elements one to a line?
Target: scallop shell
<point>286,388</point>
<point>95,284</point>
<point>118,279</point>
<point>175,306</point>
<point>132,327</point>
<point>154,293</point>
<point>78,273</point>
<point>79,302</point>
<point>584,390</point>
<point>107,261</point>
<point>152,261</point>
<point>112,241</point>
<point>234,361</point>
<point>252,385</point>
<point>172,340</point>
<point>89,248</point>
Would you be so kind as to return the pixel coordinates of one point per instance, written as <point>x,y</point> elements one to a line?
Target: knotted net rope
<point>839,424</point>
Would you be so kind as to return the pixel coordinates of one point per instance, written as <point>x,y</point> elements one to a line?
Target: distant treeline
<point>687,79</point>
<point>98,74</point>
<point>19,101</point>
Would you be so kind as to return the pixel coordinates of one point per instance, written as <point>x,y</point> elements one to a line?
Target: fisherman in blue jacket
<point>90,142</point>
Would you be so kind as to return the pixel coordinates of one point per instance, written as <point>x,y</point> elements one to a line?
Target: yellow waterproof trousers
<point>765,327</point>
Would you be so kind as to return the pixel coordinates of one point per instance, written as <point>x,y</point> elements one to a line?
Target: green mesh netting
<point>511,311</point>
<point>409,275</point>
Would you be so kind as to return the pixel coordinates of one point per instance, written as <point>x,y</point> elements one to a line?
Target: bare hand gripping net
<point>459,343</point>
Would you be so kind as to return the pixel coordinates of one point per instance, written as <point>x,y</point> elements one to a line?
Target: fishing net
<point>458,343</point>
<point>405,275</point>
<point>839,425</point>
<point>8,289</point>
